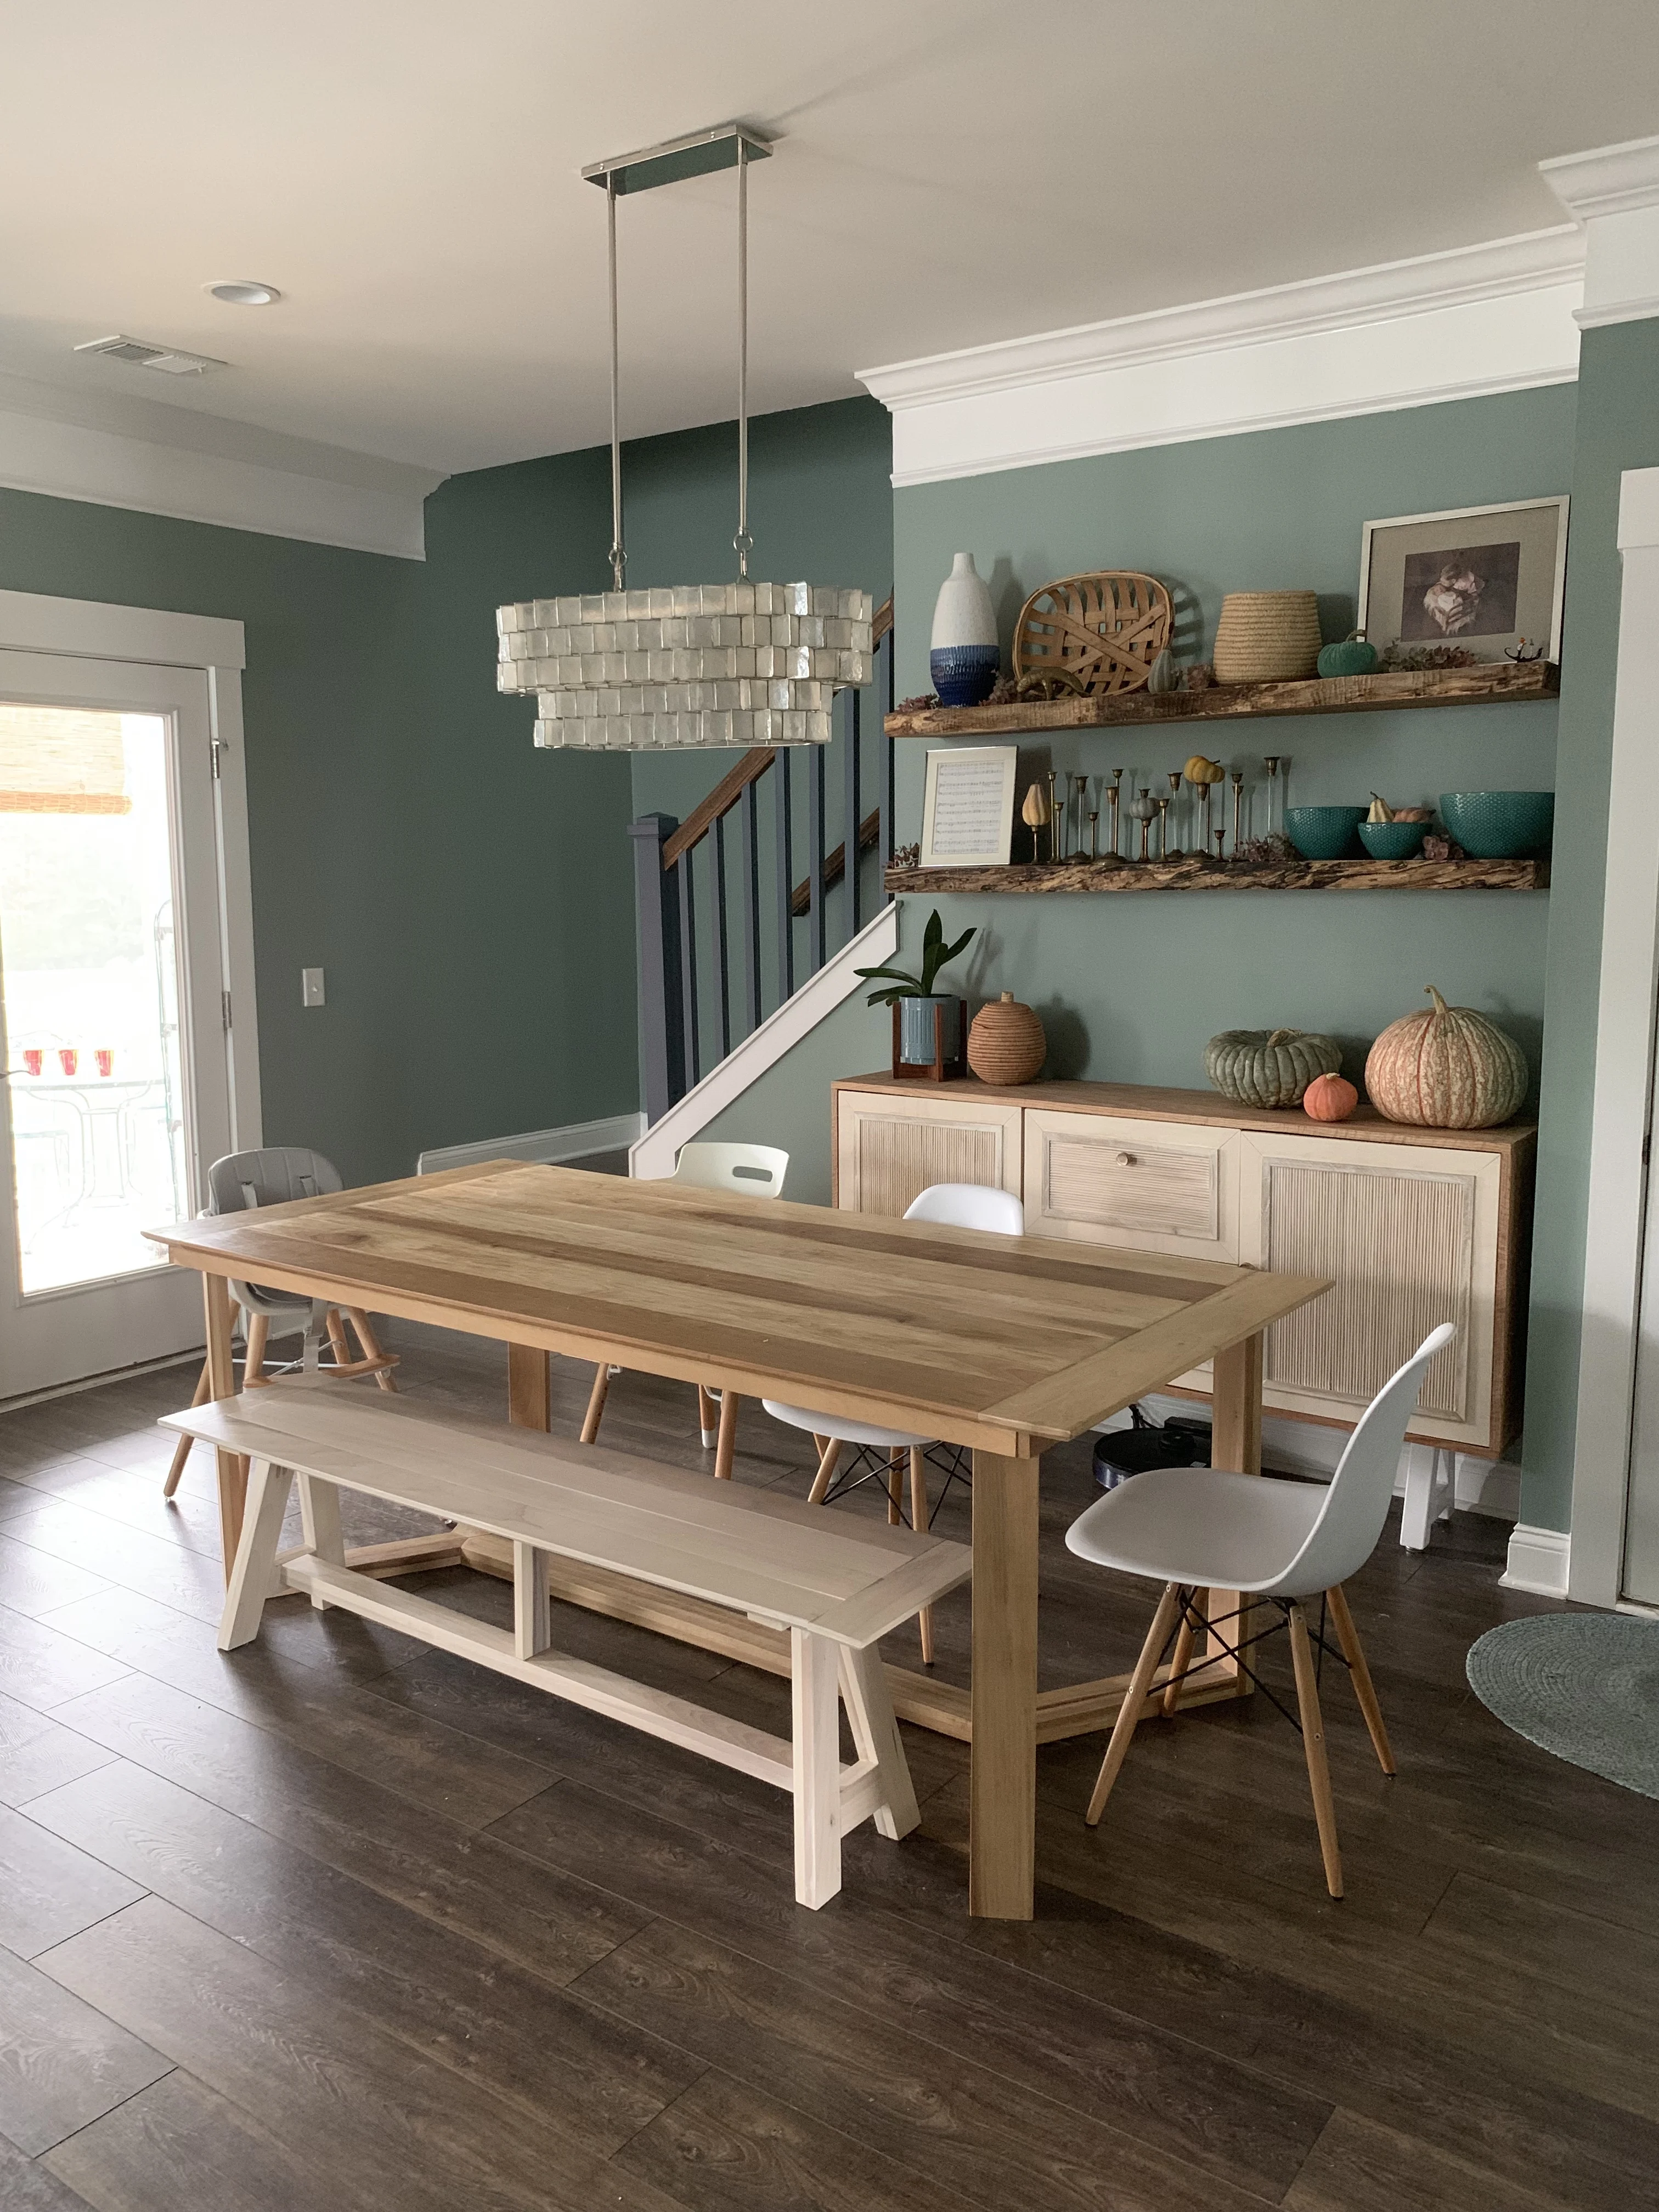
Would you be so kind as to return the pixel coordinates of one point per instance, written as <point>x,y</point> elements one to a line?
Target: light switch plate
<point>311,987</point>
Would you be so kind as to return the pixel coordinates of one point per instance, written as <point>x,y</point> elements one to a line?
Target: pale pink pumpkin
<point>1447,1068</point>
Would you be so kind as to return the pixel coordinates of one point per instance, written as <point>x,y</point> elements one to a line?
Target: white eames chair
<point>750,1171</point>
<point>954,1206</point>
<point>1195,1529</point>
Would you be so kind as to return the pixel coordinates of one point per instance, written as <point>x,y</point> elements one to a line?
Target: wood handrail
<point>735,781</point>
<point>835,865</point>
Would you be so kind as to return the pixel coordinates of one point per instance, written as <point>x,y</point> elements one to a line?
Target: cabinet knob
<point>1126,1159</point>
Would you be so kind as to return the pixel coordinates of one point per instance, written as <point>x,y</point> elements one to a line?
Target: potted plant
<point>927,1024</point>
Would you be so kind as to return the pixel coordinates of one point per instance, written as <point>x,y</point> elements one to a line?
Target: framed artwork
<point>1485,577</point>
<point>968,809</point>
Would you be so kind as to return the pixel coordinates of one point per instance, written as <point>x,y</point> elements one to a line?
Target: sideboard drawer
<point>1157,1185</point>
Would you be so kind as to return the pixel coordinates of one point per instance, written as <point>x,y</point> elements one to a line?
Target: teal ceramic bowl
<point>1393,841</point>
<point>1499,825</point>
<point>1323,833</point>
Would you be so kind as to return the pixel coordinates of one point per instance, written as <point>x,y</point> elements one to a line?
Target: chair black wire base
<point>1189,1613</point>
<point>871,1463</point>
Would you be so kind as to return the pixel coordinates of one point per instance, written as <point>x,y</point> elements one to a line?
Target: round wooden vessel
<point>1006,1044</point>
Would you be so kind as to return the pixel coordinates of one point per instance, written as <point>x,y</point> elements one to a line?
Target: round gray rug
<point>1584,1685</point>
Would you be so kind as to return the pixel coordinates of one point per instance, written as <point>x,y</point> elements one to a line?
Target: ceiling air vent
<point>169,359</point>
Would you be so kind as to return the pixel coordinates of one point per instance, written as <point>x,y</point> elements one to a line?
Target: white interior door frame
<point>1621,1117</point>
<point>92,629</point>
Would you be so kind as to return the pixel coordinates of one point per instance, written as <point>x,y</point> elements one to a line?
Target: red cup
<point>68,1059</point>
<point>106,1060</point>
<point>33,1057</point>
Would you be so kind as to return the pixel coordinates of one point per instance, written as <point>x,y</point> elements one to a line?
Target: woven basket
<point>1005,1044</point>
<point>1104,631</point>
<point>1266,637</point>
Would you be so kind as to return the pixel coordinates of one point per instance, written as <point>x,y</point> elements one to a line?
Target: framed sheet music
<point>968,813</point>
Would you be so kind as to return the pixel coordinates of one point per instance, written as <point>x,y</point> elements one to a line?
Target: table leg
<point>529,1387</point>
<point>1236,1443</point>
<point>221,1383</point>
<point>1002,1817</point>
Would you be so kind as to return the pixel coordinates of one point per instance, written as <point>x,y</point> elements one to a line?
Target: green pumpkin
<point>1354,656</point>
<point>1258,1068</point>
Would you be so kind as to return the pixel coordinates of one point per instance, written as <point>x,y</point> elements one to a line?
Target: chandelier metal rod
<point>743,543</point>
<point>618,556</point>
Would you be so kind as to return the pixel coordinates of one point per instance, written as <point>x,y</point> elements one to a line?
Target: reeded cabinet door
<point>891,1148</point>
<point>1410,1238</point>
<point>1155,1186</point>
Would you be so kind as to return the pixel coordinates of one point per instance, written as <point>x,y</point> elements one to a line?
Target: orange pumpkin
<point>1448,1068</point>
<point>1329,1098</point>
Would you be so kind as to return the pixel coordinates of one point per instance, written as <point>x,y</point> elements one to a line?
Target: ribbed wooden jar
<point>1266,637</point>
<point>1006,1044</point>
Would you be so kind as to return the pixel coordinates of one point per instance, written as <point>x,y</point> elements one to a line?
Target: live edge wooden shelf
<point>1208,875</point>
<point>1488,682</point>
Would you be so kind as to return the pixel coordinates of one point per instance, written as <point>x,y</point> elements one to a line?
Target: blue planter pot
<point>916,1030</point>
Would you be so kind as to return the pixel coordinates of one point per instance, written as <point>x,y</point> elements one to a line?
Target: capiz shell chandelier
<point>685,665</point>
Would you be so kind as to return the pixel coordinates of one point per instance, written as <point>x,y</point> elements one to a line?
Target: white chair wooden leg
<point>1430,1492</point>
<point>817,1745</point>
<point>181,1450</point>
<point>1134,1698</point>
<point>826,1473</point>
<point>252,1575</point>
<point>319,1515</point>
<point>532,1610</point>
<point>875,1736</point>
<point>708,1419</point>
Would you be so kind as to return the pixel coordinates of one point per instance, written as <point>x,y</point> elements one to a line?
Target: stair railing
<point>710,891</point>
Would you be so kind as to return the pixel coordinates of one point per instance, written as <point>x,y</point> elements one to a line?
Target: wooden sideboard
<point>1416,1226</point>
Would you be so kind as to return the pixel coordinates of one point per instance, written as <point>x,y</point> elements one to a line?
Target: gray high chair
<point>272,1176</point>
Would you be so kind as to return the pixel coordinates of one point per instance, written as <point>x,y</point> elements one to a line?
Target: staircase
<point>747,914</point>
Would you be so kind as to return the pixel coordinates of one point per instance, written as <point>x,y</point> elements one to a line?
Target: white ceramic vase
<point>964,660</point>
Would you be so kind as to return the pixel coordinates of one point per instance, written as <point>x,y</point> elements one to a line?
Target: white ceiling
<point>951,174</point>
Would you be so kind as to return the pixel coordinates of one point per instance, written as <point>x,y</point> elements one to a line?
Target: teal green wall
<point>1617,429</point>
<point>477,933</point>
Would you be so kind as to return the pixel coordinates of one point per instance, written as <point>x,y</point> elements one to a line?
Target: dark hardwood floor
<point>337,1922</point>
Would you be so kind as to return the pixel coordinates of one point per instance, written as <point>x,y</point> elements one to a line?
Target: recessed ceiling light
<point>244,292</point>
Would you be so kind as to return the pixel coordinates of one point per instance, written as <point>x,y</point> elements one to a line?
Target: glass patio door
<point>116,1089</point>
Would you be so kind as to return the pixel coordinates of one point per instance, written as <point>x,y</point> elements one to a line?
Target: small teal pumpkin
<point>1354,656</point>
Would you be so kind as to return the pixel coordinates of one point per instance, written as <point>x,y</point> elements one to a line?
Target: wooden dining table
<point>1003,1346</point>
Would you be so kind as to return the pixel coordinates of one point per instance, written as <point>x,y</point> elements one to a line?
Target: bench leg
<point>816,1712</point>
<point>708,1419</point>
<point>319,1514</point>
<point>596,1398</point>
<point>875,1735</point>
<point>726,1437</point>
<point>532,1610</point>
<point>256,1554</point>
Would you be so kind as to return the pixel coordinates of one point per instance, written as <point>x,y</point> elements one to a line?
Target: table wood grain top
<point>1000,1343</point>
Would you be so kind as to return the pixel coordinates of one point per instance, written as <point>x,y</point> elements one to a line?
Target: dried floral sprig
<point>1272,851</point>
<point>919,705</point>
<point>1418,659</point>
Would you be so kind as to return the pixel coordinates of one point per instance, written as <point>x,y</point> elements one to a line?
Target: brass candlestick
<point>1238,805</point>
<point>1094,833</point>
<point>1163,828</point>
<point>1112,801</point>
<point>1270,761</point>
<point>1080,793</point>
<point>1055,851</point>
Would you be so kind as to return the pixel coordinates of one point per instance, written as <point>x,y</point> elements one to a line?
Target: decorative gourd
<point>1006,1044</point>
<point>1354,656</point>
<point>1329,1098</point>
<point>1447,1068</point>
<point>1413,814</point>
<point>1380,811</point>
<point>1201,771</point>
<point>1257,1067</point>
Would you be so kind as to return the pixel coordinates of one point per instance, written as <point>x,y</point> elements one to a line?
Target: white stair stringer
<point>654,1153</point>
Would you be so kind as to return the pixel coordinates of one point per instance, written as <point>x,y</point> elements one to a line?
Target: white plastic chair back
<point>968,1206</point>
<point>752,1171</point>
<point>272,1176</point>
<point>1356,1503</point>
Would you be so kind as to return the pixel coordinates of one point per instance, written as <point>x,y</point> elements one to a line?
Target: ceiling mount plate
<point>701,154</point>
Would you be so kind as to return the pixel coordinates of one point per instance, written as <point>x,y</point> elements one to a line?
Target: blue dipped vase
<point>963,661</point>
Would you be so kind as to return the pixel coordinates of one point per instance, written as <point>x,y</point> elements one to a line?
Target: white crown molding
<point>118,451</point>
<point>1614,192</point>
<point>1492,318</point>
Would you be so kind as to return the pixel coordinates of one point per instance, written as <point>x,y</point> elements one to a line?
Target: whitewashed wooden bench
<point>836,1584</point>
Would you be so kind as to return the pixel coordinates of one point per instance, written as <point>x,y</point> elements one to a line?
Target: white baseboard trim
<point>545,1147</point>
<point>657,1150</point>
<point>1539,1560</point>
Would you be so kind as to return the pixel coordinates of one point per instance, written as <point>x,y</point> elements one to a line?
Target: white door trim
<point>1625,1041</point>
<point>94,630</point>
